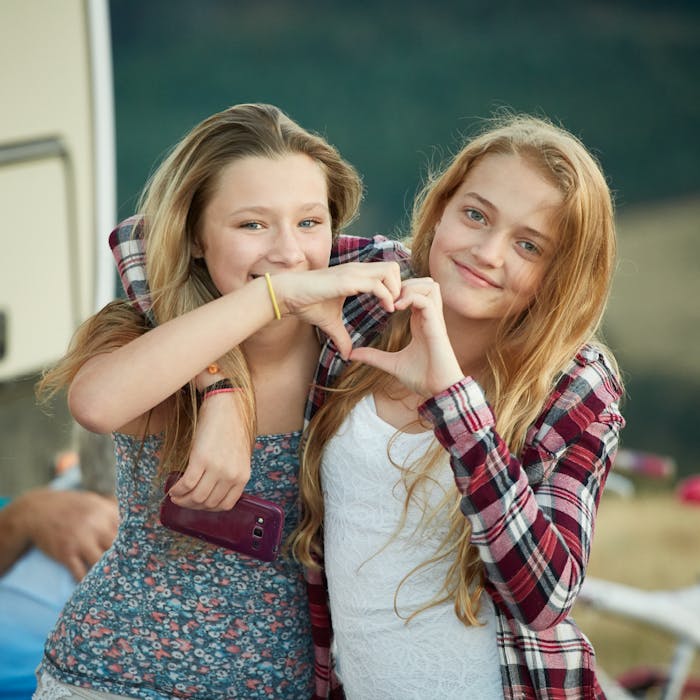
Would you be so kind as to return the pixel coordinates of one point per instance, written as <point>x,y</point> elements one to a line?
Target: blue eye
<point>252,225</point>
<point>529,247</point>
<point>475,215</point>
<point>308,223</point>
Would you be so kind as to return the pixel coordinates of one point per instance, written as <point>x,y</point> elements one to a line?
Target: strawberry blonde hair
<point>530,352</point>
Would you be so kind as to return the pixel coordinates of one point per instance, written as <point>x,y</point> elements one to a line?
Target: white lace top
<point>378,655</point>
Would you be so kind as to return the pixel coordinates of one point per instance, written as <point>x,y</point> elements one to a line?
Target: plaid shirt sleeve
<point>533,519</point>
<point>126,242</point>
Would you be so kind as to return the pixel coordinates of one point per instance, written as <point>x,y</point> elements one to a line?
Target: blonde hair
<point>172,205</point>
<point>530,351</point>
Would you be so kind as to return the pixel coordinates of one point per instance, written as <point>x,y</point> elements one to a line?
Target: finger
<point>187,482</point>
<point>420,297</point>
<point>231,498</point>
<point>421,285</point>
<point>337,332</point>
<point>385,294</point>
<point>392,280</point>
<point>217,497</point>
<point>376,358</point>
<point>381,279</point>
<point>91,553</point>
<point>106,537</point>
<point>420,301</point>
<point>76,566</point>
<point>197,497</point>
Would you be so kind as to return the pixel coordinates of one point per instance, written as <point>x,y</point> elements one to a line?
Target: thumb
<point>337,332</point>
<point>376,358</point>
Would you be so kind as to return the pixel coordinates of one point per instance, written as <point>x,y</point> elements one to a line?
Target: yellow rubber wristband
<point>273,298</point>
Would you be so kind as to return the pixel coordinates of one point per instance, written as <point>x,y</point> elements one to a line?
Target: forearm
<point>112,389</point>
<point>534,542</point>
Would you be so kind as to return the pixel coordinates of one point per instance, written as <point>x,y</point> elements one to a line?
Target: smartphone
<point>253,526</point>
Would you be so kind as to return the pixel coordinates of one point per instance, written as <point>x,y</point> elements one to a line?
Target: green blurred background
<point>396,85</point>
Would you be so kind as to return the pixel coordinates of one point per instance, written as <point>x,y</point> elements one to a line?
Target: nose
<point>286,249</point>
<point>490,249</point>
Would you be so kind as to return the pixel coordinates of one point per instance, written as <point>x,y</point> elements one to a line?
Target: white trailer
<point>57,176</point>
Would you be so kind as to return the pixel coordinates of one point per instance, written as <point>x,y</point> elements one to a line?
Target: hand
<point>72,527</point>
<point>317,296</point>
<point>427,365</point>
<point>219,464</point>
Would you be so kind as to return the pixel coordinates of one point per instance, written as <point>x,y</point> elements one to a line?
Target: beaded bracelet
<point>223,386</point>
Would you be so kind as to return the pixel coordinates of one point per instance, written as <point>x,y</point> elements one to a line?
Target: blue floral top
<point>163,615</point>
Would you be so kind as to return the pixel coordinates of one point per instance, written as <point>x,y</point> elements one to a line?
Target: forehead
<point>285,177</point>
<point>510,183</point>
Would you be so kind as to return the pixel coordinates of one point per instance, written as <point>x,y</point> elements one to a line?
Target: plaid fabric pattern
<point>126,242</point>
<point>532,519</point>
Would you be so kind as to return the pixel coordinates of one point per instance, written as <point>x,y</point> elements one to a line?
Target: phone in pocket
<point>253,526</point>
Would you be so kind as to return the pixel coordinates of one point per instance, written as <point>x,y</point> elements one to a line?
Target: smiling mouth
<point>476,278</point>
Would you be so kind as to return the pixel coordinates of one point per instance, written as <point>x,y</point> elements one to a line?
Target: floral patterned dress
<point>162,615</point>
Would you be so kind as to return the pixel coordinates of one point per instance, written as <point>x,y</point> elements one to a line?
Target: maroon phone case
<point>253,526</point>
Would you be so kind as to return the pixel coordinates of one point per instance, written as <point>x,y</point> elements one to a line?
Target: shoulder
<point>583,408</point>
<point>588,391</point>
<point>591,373</point>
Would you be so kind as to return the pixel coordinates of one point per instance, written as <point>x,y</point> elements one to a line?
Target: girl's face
<point>267,215</point>
<point>495,239</point>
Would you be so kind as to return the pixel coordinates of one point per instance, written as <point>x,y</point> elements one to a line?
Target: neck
<point>282,358</point>
<point>277,342</point>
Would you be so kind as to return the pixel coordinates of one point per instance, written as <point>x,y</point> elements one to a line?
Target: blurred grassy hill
<point>653,324</point>
<point>653,317</point>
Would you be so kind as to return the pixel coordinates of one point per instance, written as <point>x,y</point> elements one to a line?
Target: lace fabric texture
<point>48,688</point>
<point>379,655</point>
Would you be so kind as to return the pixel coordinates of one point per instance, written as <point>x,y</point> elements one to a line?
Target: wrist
<point>208,376</point>
<point>280,291</point>
<point>222,386</point>
<point>273,296</point>
<point>22,513</point>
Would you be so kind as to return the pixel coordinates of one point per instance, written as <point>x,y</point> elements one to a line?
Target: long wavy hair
<point>172,206</point>
<point>530,350</point>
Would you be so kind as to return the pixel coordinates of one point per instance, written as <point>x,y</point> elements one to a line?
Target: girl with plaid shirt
<point>450,481</point>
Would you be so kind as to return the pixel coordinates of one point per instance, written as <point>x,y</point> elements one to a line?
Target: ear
<point>196,250</point>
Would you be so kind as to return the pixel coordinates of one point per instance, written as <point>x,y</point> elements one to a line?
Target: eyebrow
<point>260,209</point>
<point>489,205</point>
